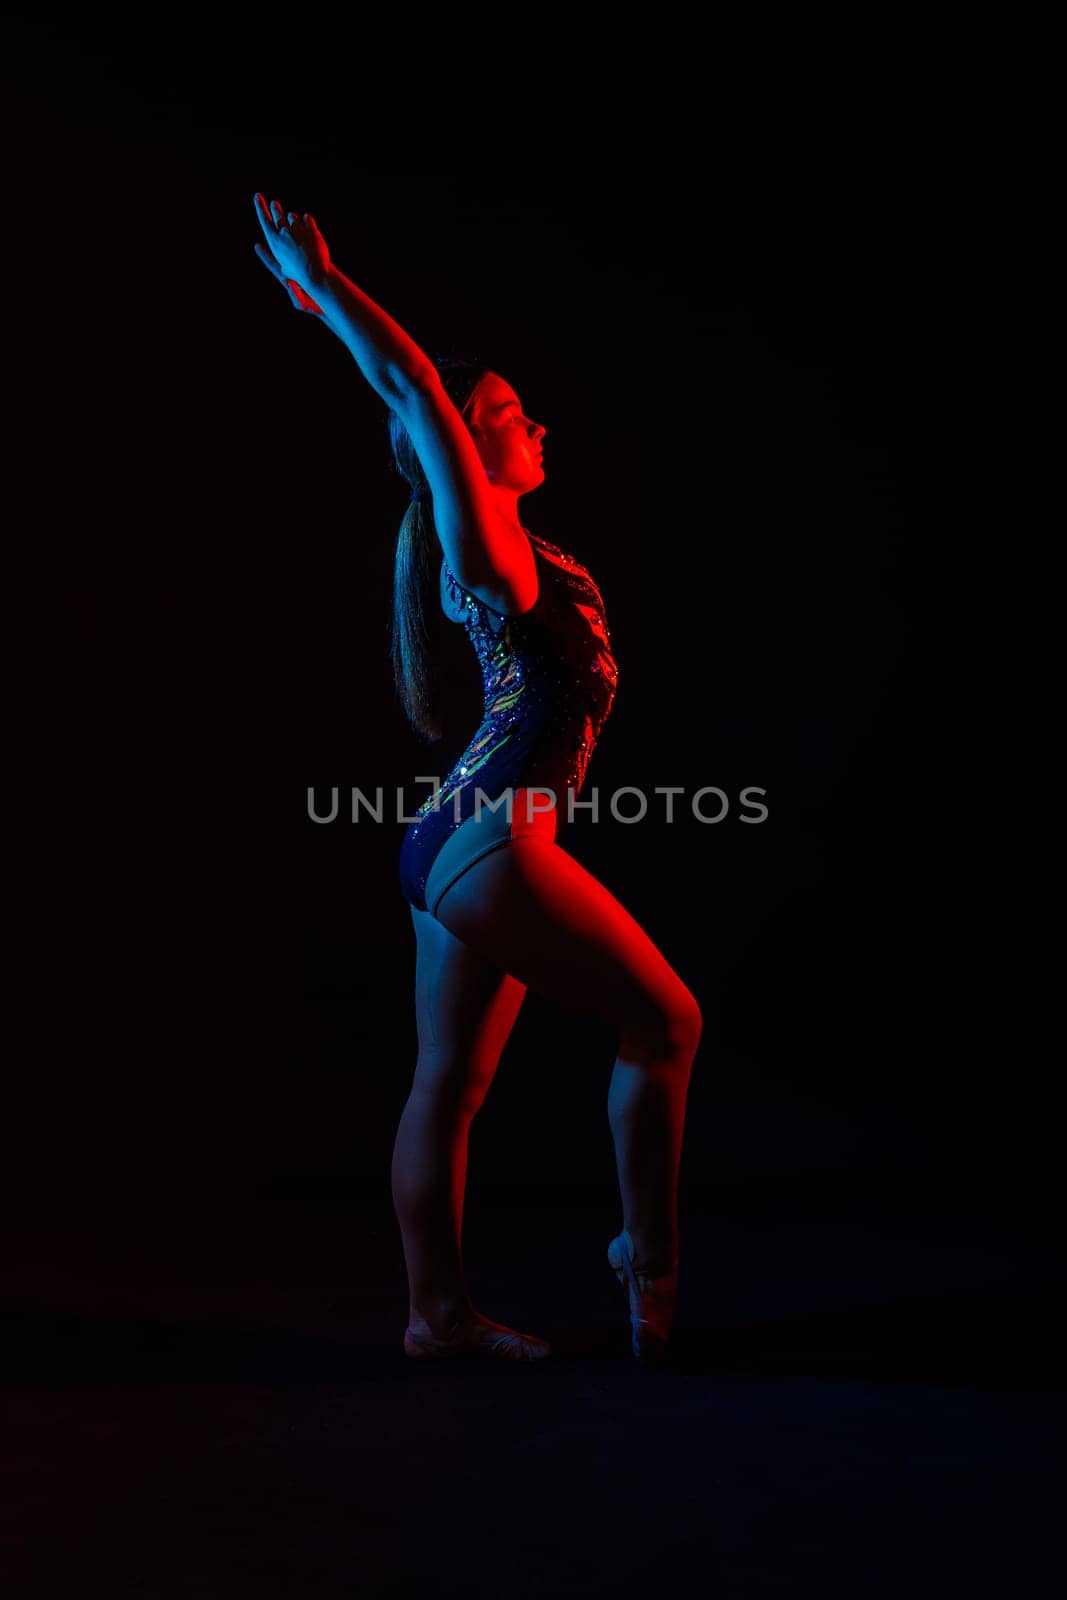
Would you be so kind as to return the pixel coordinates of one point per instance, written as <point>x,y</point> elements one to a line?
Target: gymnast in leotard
<point>548,678</point>
<point>498,905</point>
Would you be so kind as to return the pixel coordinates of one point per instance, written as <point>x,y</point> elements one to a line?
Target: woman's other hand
<point>295,253</point>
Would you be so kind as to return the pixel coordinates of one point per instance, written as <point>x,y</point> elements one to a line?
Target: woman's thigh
<point>465,1008</point>
<point>532,909</point>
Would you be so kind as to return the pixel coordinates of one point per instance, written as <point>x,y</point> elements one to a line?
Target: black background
<point>789,308</point>
<point>794,330</point>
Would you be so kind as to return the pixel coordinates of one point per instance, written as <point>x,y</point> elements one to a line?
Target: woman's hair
<point>416,623</point>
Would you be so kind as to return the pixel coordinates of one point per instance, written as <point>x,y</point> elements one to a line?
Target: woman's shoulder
<point>460,604</point>
<point>463,605</point>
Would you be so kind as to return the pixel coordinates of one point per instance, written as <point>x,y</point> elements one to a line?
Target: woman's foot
<point>652,1291</point>
<point>474,1336</point>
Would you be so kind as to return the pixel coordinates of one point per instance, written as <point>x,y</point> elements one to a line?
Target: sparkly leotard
<point>549,680</point>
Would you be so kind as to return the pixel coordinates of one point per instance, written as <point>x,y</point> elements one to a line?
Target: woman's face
<point>508,441</point>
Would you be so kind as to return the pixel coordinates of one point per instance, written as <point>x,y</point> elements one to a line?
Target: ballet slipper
<point>651,1297</point>
<point>476,1338</point>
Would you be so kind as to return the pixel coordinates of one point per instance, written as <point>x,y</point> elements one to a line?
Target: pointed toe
<point>651,1301</point>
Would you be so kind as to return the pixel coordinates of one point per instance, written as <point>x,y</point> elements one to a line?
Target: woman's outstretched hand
<point>295,252</point>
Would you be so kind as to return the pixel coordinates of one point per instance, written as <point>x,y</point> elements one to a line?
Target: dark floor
<point>218,1405</point>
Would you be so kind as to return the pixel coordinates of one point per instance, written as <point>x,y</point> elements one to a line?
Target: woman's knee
<point>670,1031</point>
<point>453,1081</point>
<point>536,911</point>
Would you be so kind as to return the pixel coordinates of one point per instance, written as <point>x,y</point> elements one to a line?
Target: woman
<point>497,904</point>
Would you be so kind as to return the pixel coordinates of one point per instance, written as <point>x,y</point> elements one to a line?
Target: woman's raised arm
<point>484,553</point>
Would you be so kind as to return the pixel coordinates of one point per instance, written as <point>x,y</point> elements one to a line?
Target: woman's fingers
<point>266,220</point>
<point>274,217</point>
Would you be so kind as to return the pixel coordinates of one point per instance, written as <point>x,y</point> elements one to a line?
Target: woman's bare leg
<point>465,1010</point>
<point>534,910</point>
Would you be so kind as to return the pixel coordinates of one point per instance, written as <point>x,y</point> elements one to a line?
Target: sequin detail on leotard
<point>548,679</point>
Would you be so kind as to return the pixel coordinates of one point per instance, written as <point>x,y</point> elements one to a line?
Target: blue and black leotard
<point>549,680</point>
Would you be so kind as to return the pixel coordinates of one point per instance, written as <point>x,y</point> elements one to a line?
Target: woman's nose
<point>538,431</point>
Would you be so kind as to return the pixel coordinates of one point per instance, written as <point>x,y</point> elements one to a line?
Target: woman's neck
<point>508,505</point>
